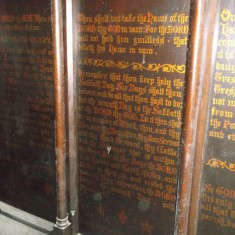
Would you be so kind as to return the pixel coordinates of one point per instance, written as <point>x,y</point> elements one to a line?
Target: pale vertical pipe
<point>71,12</point>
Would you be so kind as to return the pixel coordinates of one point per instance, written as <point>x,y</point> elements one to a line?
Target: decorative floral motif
<point>147,227</point>
<point>215,163</point>
<point>166,68</point>
<point>122,217</point>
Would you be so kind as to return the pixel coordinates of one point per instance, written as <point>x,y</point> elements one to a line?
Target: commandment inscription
<point>216,214</point>
<point>131,81</point>
<point>27,152</point>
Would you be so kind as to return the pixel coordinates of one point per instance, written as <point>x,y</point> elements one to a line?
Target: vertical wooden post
<point>197,90</point>
<point>193,91</point>
<point>62,225</point>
